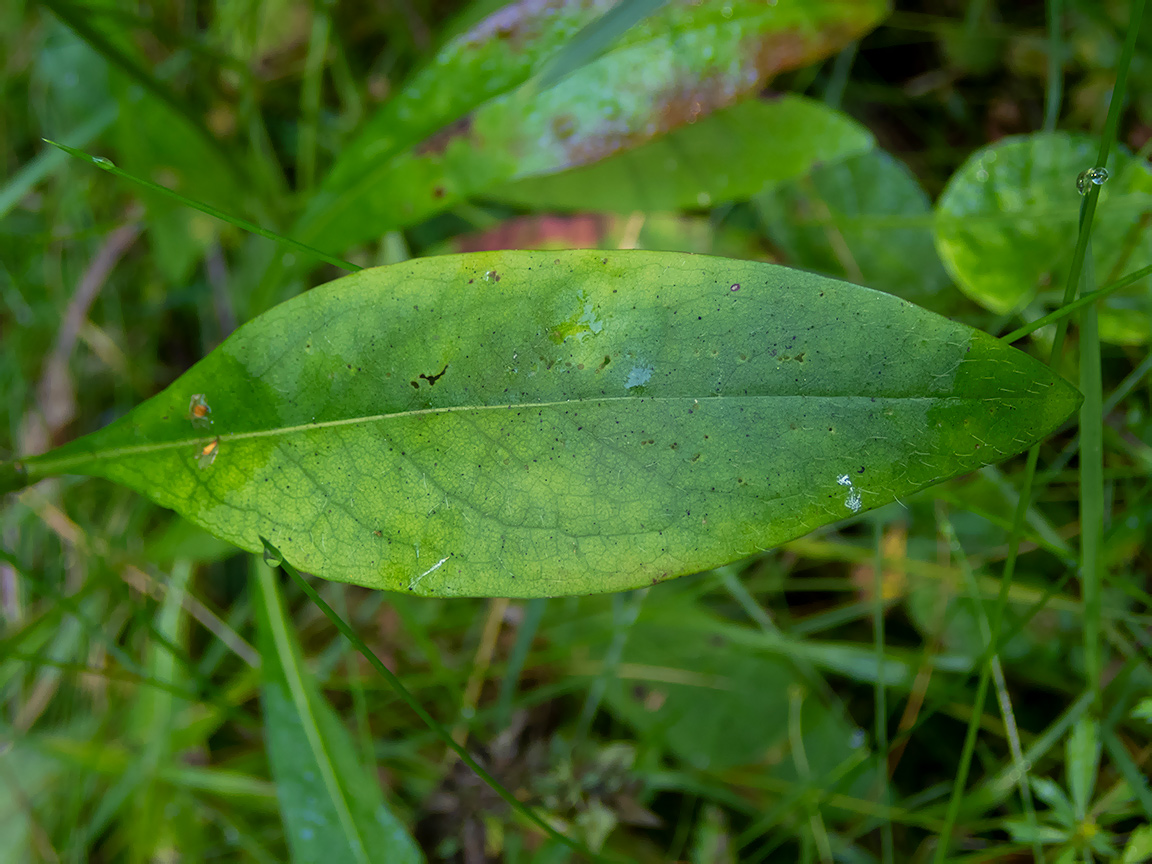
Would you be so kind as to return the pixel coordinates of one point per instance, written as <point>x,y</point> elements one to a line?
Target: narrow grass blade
<point>333,811</point>
<point>412,702</point>
<point>25,180</point>
<point>1077,304</point>
<point>595,38</point>
<point>243,224</point>
<point>1091,485</point>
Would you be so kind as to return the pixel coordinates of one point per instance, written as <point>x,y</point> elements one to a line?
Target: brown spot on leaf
<point>691,98</point>
<point>437,143</point>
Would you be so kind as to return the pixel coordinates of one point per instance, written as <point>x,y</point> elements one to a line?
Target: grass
<point>827,700</point>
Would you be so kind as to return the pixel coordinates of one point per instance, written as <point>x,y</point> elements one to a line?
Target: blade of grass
<point>402,691</point>
<point>1136,777</point>
<point>1013,735</point>
<point>525,634</point>
<point>243,224</point>
<point>284,667</point>
<point>625,611</point>
<point>1078,304</point>
<point>838,80</point>
<point>594,39</point>
<point>481,663</point>
<point>25,180</point>
<point>804,773</point>
<point>307,134</point>
<point>1087,212</point>
<point>75,20</point>
<point>1091,484</point>
<point>880,691</point>
<point>1055,90</point>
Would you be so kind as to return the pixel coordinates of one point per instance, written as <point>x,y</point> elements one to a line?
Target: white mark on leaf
<point>412,585</point>
<point>852,502</point>
<point>638,376</point>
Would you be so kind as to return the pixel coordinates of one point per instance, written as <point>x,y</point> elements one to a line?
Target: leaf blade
<point>528,424</point>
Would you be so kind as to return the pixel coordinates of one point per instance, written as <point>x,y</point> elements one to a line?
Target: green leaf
<point>1081,762</point>
<point>1022,832</point>
<point>863,218</point>
<point>697,688</point>
<point>332,808</point>
<point>528,423</point>
<point>672,69</point>
<point>1006,226</point>
<point>1143,710</point>
<point>730,155</point>
<point>1139,846</point>
<point>1049,791</point>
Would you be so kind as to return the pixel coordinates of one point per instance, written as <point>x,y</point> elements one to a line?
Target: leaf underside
<point>541,424</point>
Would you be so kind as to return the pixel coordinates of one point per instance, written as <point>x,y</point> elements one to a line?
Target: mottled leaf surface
<point>1006,227</point>
<point>465,123</point>
<point>730,155</point>
<point>523,424</point>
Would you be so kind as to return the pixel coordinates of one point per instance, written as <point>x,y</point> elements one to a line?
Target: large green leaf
<point>526,423</point>
<point>704,687</point>
<point>732,154</point>
<point>1006,227</point>
<point>465,123</point>
<point>863,218</point>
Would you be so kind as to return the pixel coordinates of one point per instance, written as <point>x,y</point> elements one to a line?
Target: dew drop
<point>102,162</point>
<point>1092,177</point>
<point>207,454</point>
<point>272,556</point>
<point>735,287</point>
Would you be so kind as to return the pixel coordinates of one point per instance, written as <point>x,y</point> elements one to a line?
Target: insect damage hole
<point>432,379</point>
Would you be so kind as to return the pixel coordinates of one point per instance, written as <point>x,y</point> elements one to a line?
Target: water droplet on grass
<point>102,162</point>
<point>272,556</point>
<point>1092,177</point>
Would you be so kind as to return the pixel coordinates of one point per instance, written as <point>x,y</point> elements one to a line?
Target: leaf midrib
<point>61,464</point>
